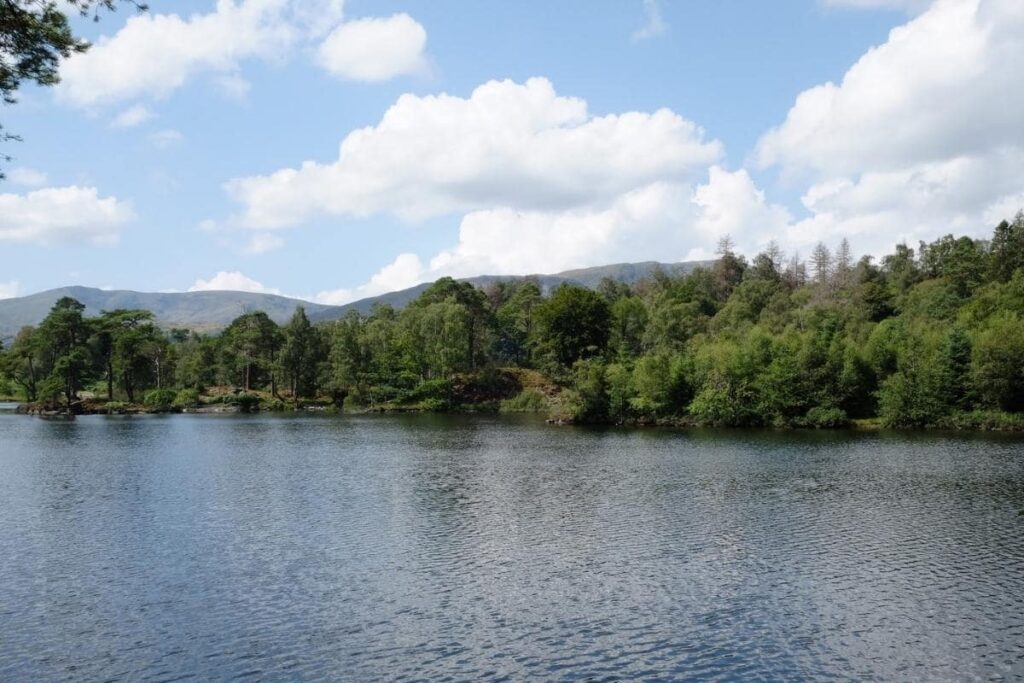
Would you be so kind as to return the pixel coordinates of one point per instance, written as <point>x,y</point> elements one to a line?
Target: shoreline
<point>977,421</point>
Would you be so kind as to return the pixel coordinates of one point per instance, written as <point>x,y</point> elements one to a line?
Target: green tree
<point>301,354</point>
<point>127,342</point>
<point>21,363</point>
<point>572,324</point>
<point>515,320</point>
<point>64,335</point>
<point>1006,251</point>
<point>628,325</point>
<point>997,364</point>
<point>250,346</point>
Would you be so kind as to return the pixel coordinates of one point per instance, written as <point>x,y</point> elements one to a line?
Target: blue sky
<point>502,137</point>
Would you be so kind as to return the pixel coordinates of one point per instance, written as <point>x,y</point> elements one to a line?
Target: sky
<point>332,150</point>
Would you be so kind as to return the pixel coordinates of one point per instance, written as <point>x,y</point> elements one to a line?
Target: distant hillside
<point>200,311</point>
<point>628,273</point>
<point>211,311</point>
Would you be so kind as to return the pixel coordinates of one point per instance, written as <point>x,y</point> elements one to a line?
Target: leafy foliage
<point>932,337</point>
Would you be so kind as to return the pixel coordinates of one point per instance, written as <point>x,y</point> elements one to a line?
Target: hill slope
<point>210,311</point>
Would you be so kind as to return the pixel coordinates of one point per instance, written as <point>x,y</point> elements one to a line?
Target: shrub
<point>986,420</point>
<point>115,407</point>
<point>247,403</point>
<point>186,398</point>
<point>825,418</point>
<point>527,401</point>
<point>431,389</point>
<point>160,399</point>
<point>568,406</point>
<point>434,404</point>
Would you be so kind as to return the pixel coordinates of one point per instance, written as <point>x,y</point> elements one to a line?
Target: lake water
<point>488,548</point>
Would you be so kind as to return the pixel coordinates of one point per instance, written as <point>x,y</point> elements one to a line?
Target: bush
<point>825,418</point>
<point>247,403</point>
<point>430,390</point>
<point>437,405</point>
<point>277,405</point>
<point>986,420</point>
<point>527,401</point>
<point>568,406</point>
<point>186,398</point>
<point>115,407</point>
<point>159,399</point>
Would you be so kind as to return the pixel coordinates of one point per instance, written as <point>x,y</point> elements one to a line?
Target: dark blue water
<point>411,548</point>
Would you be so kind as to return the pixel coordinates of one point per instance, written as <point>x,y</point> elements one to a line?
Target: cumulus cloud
<point>404,272</point>
<point>9,290</point>
<point>508,144</point>
<point>62,214</point>
<point>921,137</point>
<point>375,49</point>
<point>154,54</point>
<point>944,84</point>
<point>27,177</point>
<point>664,221</point>
<point>232,281</point>
<point>132,116</point>
<point>654,25</point>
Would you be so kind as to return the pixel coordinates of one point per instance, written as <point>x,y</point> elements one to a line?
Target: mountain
<point>200,311</point>
<point>628,273</point>
<point>211,311</point>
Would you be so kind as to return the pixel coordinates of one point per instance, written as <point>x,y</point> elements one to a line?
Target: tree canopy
<point>929,336</point>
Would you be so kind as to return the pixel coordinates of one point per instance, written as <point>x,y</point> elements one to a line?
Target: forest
<point>925,337</point>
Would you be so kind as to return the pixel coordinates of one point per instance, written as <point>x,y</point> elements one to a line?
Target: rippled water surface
<point>397,548</point>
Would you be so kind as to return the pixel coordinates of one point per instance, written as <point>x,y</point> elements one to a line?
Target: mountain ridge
<point>209,311</point>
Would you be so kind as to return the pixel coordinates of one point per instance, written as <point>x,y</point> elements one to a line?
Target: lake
<point>499,548</point>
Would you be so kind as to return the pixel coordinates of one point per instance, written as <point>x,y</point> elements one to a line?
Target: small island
<point>931,337</point>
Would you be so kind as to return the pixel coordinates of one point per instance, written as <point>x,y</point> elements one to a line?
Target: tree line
<point>932,336</point>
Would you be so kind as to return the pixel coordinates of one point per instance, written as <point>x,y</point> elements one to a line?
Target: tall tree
<point>250,347</point>
<point>301,354</point>
<point>64,334</point>
<point>573,324</point>
<point>1006,252</point>
<point>21,362</point>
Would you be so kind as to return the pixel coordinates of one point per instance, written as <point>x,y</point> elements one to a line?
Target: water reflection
<point>483,548</point>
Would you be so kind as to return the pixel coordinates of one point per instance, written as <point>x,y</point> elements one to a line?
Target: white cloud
<point>964,195</point>
<point>922,137</point>
<point>654,26</point>
<point>945,84</point>
<point>132,116</point>
<point>512,145</point>
<point>166,138</point>
<point>27,177</point>
<point>731,204</point>
<point>375,49</point>
<point>262,243</point>
<point>9,290</point>
<point>153,55</point>
<point>233,281</point>
<point>402,273</point>
<point>62,214</point>
<point>662,221</point>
